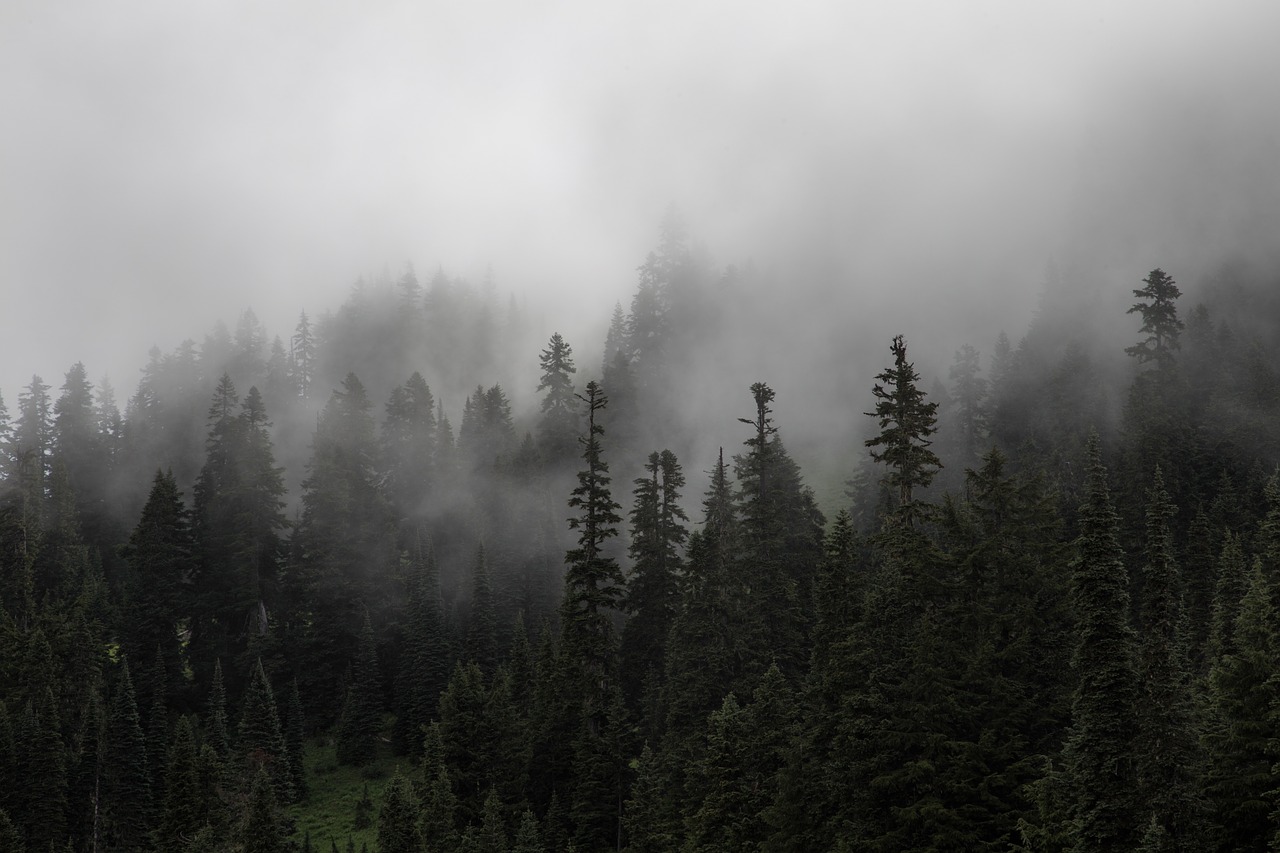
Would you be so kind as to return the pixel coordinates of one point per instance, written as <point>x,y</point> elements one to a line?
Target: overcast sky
<point>163,165</point>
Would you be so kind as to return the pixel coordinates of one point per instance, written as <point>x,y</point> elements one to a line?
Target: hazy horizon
<point>914,166</point>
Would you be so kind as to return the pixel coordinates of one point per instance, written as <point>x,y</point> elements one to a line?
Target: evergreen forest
<point>522,603</point>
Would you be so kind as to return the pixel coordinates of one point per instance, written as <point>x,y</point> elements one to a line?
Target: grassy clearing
<point>330,808</point>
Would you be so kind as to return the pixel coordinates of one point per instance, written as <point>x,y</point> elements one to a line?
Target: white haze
<point>903,166</point>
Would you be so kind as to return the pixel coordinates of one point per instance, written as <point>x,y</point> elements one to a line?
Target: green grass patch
<point>330,808</point>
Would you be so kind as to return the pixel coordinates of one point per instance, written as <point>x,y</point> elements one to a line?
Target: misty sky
<point>163,165</point>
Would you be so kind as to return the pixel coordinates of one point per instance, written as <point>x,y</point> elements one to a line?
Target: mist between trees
<point>596,603</point>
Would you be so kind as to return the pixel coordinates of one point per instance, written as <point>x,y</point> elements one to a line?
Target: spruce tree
<point>216,725</point>
<point>42,771</point>
<point>1099,759</point>
<point>1160,321</point>
<point>10,838</point>
<point>527,839</point>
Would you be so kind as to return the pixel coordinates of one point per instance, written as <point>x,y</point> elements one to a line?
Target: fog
<point>908,167</point>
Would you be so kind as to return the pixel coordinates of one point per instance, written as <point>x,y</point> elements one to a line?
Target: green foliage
<point>398,830</point>
<point>124,799</point>
<point>1160,321</point>
<point>559,426</point>
<point>261,831</point>
<point>185,809</point>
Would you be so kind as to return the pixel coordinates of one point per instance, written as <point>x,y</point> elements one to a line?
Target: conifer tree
<point>906,422</point>
<point>125,789</point>
<point>653,588</point>
<point>398,830</point>
<point>1243,693</point>
<point>1169,763</point>
<point>42,771</point>
<point>10,838</point>
<point>294,742</point>
<point>439,810</point>
<point>492,836</point>
<point>424,661</point>
<point>782,545</point>
<point>261,832</point>
<point>1233,582</point>
<point>216,723</point>
<point>1160,321</point>
<point>593,580</point>
<point>159,558</point>
<point>1098,753</point>
<point>559,425</point>
<point>259,738</point>
<point>362,712</point>
<point>184,808</point>
<point>527,839</point>
<point>408,447</point>
<point>482,626</point>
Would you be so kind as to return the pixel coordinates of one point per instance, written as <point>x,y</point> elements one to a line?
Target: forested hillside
<point>422,532</point>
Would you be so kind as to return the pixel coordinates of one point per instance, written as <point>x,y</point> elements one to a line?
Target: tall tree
<point>906,422</point>
<point>1169,762</point>
<point>559,425</point>
<point>362,711</point>
<point>159,556</point>
<point>1105,808</point>
<point>657,537</point>
<point>1160,321</point>
<point>124,796</point>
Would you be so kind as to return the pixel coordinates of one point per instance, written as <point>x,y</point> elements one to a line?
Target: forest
<point>282,598</point>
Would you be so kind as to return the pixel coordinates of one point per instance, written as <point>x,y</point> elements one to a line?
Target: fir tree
<point>259,738</point>
<point>527,839</point>
<point>424,661</point>
<point>216,722</point>
<point>42,771</point>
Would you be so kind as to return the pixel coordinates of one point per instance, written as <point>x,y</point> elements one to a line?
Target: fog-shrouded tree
<point>906,422</point>
<point>559,426</point>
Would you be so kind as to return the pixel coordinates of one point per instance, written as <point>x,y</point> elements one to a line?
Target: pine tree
<point>1098,752</point>
<point>362,712</point>
<point>439,809</point>
<point>492,837</point>
<point>303,358</point>
<point>906,422</point>
<point>398,830</point>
